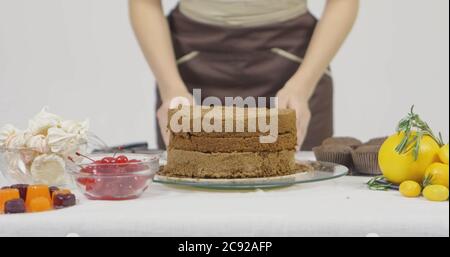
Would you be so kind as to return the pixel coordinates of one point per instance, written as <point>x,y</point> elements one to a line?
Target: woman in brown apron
<point>259,48</point>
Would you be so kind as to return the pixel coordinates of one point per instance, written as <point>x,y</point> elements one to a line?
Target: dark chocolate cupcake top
<point>347,141</point>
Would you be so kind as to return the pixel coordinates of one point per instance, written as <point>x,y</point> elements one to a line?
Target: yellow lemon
<point>401,167</point>
<point>443,154</point>
<point>438,174</point>
<point>410,188</point>
<point>436,193</point>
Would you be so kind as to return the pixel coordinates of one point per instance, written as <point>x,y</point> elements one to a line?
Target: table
<point>341,207</point>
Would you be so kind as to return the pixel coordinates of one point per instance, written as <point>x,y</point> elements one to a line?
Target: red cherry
<point>108,160</point>
<point>121,159</point>
<point>97,166</point>
<point>107,187</point>
<point>88,169</point>
<point>135,167</point>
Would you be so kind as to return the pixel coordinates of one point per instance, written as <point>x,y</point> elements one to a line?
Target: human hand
<point>292,97</point>
<point>183,97</point>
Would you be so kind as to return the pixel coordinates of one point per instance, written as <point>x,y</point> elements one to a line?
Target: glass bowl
<point>114,181</point>
<point>16,166</point>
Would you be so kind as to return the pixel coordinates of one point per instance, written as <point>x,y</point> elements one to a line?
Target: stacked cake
<point>234,154</point>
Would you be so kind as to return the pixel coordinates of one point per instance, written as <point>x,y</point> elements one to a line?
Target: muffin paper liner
<point>366,163</point>
<point>334,157</point>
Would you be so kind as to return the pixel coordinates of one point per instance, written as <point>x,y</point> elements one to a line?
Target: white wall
<point>80,58</point>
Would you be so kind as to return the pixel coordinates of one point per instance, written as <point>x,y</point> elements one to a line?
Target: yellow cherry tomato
<point>397,168</point>
<point>436,193</point>
<point>410,188</point>
<point>443,154</point>
<point>438,174</point>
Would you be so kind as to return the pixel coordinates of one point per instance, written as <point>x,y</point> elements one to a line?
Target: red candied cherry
<point>135,166</point>
<point>107,187</point>
<point>108,160</point>
<point>92,168</point>
<point>88,169</point>
<point>89,183</point>
<point>110,165</point>
<point>97,166</point>
<point>121,159</point>
<point>129,184</point>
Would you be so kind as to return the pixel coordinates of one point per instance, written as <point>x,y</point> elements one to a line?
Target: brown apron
<point>254,61</point>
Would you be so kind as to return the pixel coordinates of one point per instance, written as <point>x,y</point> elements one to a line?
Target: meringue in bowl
<point>30,166</point>
<point>40,153</point>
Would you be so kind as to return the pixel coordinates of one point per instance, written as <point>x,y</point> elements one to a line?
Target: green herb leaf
<point>413,123</point>
<point>427,181</point>
<point>379,183</point>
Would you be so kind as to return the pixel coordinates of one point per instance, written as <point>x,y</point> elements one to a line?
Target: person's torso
<point>242,13</point>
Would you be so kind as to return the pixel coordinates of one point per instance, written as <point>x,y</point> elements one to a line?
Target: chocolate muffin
<point>347,141</point>
<point>365,160</point>
<point>376,141</point>
<point>340,154</point>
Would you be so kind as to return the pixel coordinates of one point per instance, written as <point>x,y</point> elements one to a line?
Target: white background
<point>81,59</point>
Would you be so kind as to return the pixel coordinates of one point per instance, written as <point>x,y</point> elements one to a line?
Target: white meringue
<point>59,140</point>
<point>18,141</point>
<point>76,127</point>
<point>27,156</point>
<point>48,169</point>
<point>43,121</point>
<point>6,133</point>
<point>38,143</point>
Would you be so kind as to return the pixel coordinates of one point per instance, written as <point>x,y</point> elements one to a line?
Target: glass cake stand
<point>321,171</point>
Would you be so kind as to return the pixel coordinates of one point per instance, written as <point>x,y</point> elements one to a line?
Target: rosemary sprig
<point>410,124</point>
<point>379,183</point>
<point>427,181</point>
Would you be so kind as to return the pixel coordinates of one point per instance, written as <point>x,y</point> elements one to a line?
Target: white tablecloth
<point>341,207</point>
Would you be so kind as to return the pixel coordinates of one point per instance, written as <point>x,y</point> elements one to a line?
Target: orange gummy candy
<point>35,192</point>
<point>39,204</point>
<point>6,195</point>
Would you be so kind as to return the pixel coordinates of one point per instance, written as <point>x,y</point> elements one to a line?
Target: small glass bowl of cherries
<point>104,176</point>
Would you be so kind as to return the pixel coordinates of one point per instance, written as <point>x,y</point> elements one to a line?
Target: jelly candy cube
<point>60,192</point>
<point>6,195</point>
<point>37,191</point>
<point>22,190</point>
<point>64,200</point>
<point>15,206</point>
<point>39,204</point>
<point>53,189</point>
